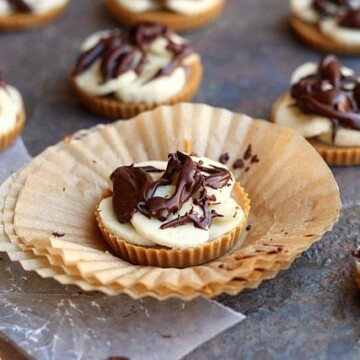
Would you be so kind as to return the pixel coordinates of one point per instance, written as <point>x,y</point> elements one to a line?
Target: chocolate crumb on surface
<point>248,228</point>
<point>238,164</point>
<point>118,358</point>
<point>58,234</point>
<point>247,169</point>
<point>224,158</point>
<point>254,159</point>
<point>248,152</point>
<point>166,336</point>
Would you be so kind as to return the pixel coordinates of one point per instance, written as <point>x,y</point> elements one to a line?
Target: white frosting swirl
<point>312,125</point>
<point>37,6</point>
<point>187,7</point>
<point>131,87</point>
<point>10,106</point>
<point>147,232</point>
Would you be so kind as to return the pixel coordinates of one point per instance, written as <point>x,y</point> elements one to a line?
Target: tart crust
<point>177,22</point>
<point>175,258</point>
<point>311,35</point>
<point>21,21</point>
<point>332,154</point>
<point>110,107</point>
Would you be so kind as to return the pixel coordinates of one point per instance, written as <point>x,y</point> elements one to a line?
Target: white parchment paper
<point>51,321</point>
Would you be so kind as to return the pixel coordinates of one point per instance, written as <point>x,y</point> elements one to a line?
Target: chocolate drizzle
<point>331,94</point>
<point>121,52</point>
<point>134,189</point>
<point>20,6</point>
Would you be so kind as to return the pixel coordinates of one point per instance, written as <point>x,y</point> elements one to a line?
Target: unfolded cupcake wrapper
<point>332,154</point>
<point>20,21</point>
<point>176,21</point>
<point>55,231</point>
<point>175,258</point>
<point>8,139</point>
<point>114,109</point>
<point>311,35</point>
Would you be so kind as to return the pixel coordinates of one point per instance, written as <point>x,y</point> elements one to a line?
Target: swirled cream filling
<point>37,6</point>
<point>312,125</point>
<point>145,231</point>
<point>131,87</point>
<point>187,7</point>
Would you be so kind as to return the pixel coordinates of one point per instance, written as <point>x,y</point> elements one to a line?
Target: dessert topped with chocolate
<point>147,65</point>
<point>337,21</point>
<point>178,204</point>
<point>323,102</point>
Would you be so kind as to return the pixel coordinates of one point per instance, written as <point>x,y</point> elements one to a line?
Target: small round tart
<point>27,14</point>
<point>323,107</point>
<point>177,214</point>
<point>12,115</point>
<point>120,74</point>
<point>326,25</point>
<point>170,13</point>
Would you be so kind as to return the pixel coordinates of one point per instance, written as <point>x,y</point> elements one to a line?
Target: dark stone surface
<point>309,311</point>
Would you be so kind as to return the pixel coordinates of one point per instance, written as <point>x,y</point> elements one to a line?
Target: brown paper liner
<point>279,232</point>
<point>168,258</point>
<point>8,139</point>
<point>311,35</point>
<point>177,22</point>
<point>332,154</point>
<point>20,21</point>
<point>112,108</point>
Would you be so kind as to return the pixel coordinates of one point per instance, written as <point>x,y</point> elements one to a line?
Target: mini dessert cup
<point>133,79</point>
<point>28,20</point>
<point>323,110</point>
<point>49,212</point>
<point>174,20</point>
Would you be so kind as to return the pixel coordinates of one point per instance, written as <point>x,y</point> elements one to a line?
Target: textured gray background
<point>309,311</point>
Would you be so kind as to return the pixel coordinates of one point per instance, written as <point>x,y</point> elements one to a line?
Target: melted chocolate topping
<point>118,51</point>
<point>134,189</point>
<point>331,94</point>
<point>20,6</point>
<point>351,20</point>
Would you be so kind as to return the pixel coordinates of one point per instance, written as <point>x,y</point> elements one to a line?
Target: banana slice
<point>229,210</point>
<point>344,137</point>
<point>308,125</point>
<point>123,231</point>
<point>218,229</point>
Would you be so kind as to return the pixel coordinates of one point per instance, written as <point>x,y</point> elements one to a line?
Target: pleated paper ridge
<point>293,194</point>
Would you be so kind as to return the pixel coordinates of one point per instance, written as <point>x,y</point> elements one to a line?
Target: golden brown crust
<point>166,258</point>
<point>114,109</point>
<point>20,21</point>
<point>332,154</point>
<point>6,140</point>
<point>177,22</point>
<point>311,35</point>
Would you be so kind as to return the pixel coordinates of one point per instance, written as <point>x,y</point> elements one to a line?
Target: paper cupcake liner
<point>20,21</point>
<point>114,109</point>
<point>174,258</point>
<point>332,154</point>
<point>8,139</point>
<point>311,35</point>
<point>290,210</point>
<point>175,21</point>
